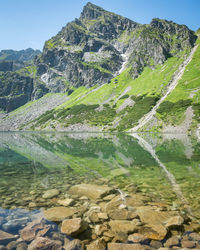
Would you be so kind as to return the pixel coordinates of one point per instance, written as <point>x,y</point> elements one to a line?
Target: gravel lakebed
<point>94,217</point>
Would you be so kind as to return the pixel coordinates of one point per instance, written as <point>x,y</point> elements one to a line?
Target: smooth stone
<point>44,243</point>
<point>156,244</point>
<point>173,241</point>
<point>91,191</point>
<point>50,193</point>
<point>194,236</point>
<point>188,244</point>
<point>122,214</point>
<point>66,202</point>
<point>73,226</point>
<point>123,226</point>
<point>122,246</point>
<point>58,213</point>
<point>174,221</point>
<point>74,245</point>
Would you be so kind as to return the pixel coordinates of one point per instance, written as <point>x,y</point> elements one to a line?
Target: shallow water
<point>163,167</point>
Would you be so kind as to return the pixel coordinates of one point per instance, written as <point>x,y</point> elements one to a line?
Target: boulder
<point>58,213</point>
<point>50,193</point>
<point>73,226</point>
<point>91,191</point>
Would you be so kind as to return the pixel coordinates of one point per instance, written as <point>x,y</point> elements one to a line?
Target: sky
<point>29,23</point>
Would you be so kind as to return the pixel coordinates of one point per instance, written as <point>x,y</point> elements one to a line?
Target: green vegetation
<point>187,93</point>
<point>131,115</point>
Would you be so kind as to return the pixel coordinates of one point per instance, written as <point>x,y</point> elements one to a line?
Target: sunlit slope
<point>117,105</point>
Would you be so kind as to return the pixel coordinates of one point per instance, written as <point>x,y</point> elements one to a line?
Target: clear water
<point>163,167</point>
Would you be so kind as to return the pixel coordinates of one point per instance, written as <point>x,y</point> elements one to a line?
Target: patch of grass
<point>133,114</point>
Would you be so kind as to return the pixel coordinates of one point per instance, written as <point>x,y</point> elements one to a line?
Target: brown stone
<point>22,246</point>
<point>188,244</point>
<point>66,202</point>
<point>121,246</point>
<point>43,243</point>
<point>102,216</point>
<point>12,245</point>
<point>122,214</point>
<point>195,236</point>
<point>174,221</point>
<point>124,226</point>
<point>91,191</point>
<point>74,245</point>
<point>6,237</point>
<point>50,193</point>
<point>97,245</point>
<point>136,200</point>
<point>156,244</point>
<point>155,232</point>
<point>58,213</point>
<point>73,226</point>
<point>29,232</point>
<point>151,217</point>
<point>173,241</point>
<point>138,238</point>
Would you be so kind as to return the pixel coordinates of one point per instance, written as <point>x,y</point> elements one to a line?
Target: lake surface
<point>164,168</point>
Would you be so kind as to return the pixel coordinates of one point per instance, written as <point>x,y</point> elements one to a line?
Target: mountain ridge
<point>112,71</point>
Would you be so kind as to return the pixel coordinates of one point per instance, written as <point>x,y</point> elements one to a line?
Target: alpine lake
<point>99,190</point>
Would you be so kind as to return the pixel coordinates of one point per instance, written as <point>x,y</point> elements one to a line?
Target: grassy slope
<point>150,85</point>
<point>186,93</point>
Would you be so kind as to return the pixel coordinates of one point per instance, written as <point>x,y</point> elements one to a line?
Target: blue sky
<point>28,23</point>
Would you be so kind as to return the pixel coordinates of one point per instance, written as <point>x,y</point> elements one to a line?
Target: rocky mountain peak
<point>91,11</point>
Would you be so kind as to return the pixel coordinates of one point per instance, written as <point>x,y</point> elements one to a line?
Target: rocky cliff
<point>99,45</point>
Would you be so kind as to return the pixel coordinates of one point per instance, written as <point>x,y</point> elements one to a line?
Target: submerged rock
<point>123,226</point>
<point>44,243</point>
<point>91,191</point>
<point>73,226</point>
<point>58,213</point>
<point>50,193</point>
<point>6,237</point>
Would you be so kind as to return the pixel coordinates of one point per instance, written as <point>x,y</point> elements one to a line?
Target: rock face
<point>92,49</point>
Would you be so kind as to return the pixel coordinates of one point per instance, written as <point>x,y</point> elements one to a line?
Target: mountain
<point>20,55</point>
<point>108,72</point>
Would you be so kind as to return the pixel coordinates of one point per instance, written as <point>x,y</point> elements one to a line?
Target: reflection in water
<point>165,169</point>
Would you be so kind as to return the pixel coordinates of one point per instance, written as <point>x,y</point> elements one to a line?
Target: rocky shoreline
<point>97,217</point>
